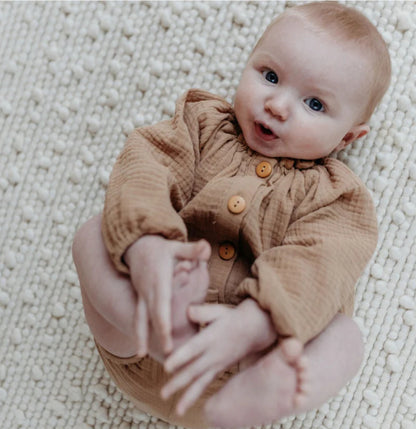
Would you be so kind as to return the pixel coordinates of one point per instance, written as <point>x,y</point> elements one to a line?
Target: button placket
<point>236,205</point>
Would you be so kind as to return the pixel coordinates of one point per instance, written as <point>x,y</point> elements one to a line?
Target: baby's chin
<point>265,150</point>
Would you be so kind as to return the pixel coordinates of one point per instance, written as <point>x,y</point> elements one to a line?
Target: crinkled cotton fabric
<point>75,79</point>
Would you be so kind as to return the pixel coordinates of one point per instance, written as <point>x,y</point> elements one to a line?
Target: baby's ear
<point>353,134</point>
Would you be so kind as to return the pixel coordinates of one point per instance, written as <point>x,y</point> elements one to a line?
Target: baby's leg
<point>120,344</point>
<point>110,301</point>
<point>286,381</point>
<point>106,334</point>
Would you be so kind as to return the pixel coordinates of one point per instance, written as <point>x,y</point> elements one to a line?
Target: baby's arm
<point>232,334</point>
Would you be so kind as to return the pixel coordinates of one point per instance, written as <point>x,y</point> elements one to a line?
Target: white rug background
<point>75,78</point>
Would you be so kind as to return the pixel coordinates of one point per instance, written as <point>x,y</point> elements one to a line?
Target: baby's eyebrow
<point>316,86</point>
<point>265,57</point>
<point>323,92</point>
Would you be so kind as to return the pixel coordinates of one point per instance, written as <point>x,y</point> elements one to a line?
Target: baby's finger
<point>160,311</point>
<point>186,353</point>
<point>194,392</point>
<point>163,329</point>
<point>207,313</point>
<point>142,328</point>
<point>183,378</point>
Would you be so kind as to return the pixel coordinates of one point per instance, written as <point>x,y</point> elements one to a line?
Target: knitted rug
<point>75,79</point>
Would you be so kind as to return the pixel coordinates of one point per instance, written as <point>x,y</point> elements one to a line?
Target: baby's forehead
<point>292,22</point>
<point>284,30</point>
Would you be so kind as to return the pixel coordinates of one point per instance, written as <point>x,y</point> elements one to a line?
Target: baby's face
<point>302,93</point>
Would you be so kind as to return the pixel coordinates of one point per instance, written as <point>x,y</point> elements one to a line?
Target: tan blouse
<point>293,235</point>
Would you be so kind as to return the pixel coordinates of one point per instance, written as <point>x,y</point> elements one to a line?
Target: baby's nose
<point>278,107</point>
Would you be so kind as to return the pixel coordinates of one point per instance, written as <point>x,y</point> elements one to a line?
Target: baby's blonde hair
<point>349,24</point>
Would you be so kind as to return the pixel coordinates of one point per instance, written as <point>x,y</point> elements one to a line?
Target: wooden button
<point>236,204</point>
<point>226,251</point>
<point>264,169</point>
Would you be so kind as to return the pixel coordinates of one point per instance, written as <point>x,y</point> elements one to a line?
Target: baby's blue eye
<point>271,76</point>
<point>315,104</point>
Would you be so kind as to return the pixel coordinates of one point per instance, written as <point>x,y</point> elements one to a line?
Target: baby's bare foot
<point>264,392</point>
<point>290,380</point>
<point>191,281</point>
<point>190,285</point>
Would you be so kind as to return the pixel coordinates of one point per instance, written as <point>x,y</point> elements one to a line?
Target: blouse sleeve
<point>311,277</point>
<point>153,177</point>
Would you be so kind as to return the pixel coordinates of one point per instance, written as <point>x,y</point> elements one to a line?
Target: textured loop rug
<point>75,79</point>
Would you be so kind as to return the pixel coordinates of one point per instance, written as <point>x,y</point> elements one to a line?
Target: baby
<point>219,281</point>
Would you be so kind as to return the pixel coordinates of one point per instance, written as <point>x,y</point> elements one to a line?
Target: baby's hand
<point>151,260</point>
<point>232,334</point>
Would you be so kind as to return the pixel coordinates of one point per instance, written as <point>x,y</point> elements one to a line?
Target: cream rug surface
<point>75,79</point>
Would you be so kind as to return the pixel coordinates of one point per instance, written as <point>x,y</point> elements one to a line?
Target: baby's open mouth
<point>264,132</point>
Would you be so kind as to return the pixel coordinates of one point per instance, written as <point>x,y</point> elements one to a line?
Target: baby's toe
<point>183,266</point>
<point>292,350</point>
